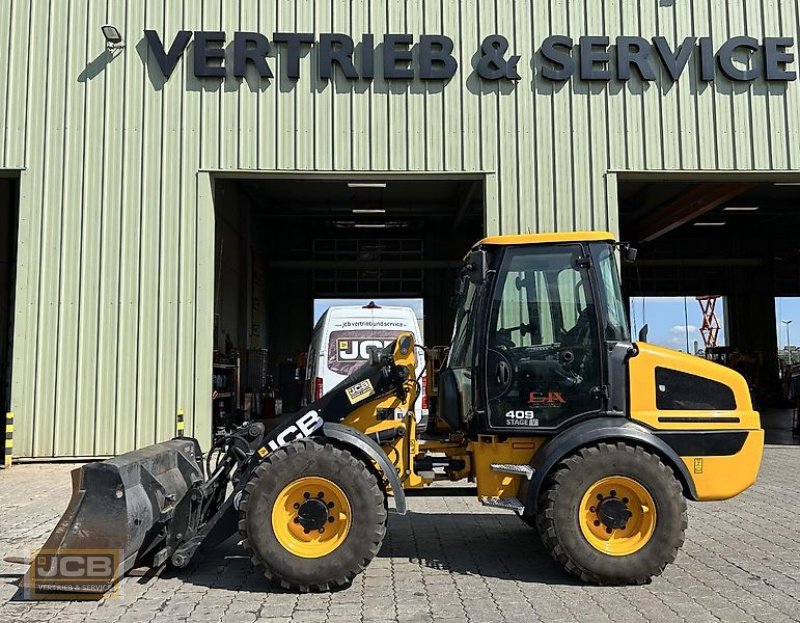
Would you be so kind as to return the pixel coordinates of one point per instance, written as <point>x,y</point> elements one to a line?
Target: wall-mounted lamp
<point>113,37</point>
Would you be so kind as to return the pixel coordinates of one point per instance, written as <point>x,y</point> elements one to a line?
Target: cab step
<point>512,504</point>
<point>514,468</point>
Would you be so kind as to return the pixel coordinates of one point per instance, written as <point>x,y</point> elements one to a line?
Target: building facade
<point>115,153</point>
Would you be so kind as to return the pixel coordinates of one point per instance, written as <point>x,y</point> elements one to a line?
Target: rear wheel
<point>612,514</point>
<point>312,516</point>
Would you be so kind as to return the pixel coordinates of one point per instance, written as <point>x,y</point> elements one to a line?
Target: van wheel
<point>312,516</point>
<point>612,514</point>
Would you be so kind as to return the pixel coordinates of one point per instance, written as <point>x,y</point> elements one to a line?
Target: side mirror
<point>477,267</point>
<point>629,253</point>
<point>643,333</point>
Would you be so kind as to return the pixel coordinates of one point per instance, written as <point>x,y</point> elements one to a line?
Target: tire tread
<point>355,467</point>
<point>546,515</point>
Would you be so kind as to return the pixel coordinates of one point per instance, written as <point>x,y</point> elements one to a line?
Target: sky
<point>673,321</point>
<point>787,309</point>
<point>667,320</point>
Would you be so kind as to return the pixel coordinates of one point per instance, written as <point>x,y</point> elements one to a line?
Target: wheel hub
<point>617,515</point>
<point>313,514</point>
<point>311,517</point>
<point>613,513</point>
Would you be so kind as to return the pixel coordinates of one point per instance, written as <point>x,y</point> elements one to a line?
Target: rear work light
<point>317,388</point>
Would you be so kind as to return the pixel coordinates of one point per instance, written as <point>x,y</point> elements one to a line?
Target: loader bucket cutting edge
<point>122,506</point>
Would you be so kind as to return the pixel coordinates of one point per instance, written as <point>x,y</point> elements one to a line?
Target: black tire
<point>558,514</point>
<point>529,520</point>
<point>337,569</point>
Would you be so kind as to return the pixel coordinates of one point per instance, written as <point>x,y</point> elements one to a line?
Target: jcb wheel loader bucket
<point>124,506</point>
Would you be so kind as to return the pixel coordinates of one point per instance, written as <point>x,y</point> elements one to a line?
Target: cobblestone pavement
<point>450,559</point>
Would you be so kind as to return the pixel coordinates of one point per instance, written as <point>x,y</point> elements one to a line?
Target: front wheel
<point>312,516</point>
<point>612,514</point>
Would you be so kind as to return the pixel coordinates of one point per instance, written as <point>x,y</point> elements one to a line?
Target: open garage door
<point>281,244</point>
<point>8,262</point>
<point>731,240</point>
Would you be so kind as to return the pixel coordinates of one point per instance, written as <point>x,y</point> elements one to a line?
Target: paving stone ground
<point>449,559</point>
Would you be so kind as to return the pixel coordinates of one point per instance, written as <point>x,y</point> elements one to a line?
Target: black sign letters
<point>431,57</point>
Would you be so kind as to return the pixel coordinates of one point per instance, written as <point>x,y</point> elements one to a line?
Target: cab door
<point>544,363</point>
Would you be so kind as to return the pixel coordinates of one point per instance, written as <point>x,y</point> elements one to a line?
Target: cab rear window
<point>681,391</point>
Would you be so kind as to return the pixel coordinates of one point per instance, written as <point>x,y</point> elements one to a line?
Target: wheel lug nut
<point>296,506</point>
<point>592,509</point>
<point>624,500</point>
<point>306,495</point>
<point>306,531</point>
<point>330,504</point>
<point>596,523</point>
<point>609,530</point>
<point>320,495</point>
<point>330,519</point>
<point>297,520</point>
<point>613,493</point>
<point>321,530</point>
<point>599,496</point>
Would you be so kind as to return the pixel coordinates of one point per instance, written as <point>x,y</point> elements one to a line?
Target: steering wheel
<point>502,338</point>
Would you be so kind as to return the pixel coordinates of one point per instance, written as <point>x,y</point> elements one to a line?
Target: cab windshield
<point>461,345</point>
<point>616,329</point>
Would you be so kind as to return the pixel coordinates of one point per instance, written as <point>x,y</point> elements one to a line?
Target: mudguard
<point>591,432</point>
<point>364,445</point>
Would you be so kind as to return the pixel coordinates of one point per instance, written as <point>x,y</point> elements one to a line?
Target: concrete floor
<point>449,559</point>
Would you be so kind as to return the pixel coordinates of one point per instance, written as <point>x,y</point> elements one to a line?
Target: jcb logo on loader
<point>303,427</point>
<point>72,573</point>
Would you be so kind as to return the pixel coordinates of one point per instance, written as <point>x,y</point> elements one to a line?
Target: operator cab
<point>539,315</point>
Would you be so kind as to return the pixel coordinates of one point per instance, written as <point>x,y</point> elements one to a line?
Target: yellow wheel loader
<point>543,401</point>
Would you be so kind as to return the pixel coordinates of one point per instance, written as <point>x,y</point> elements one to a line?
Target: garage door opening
<point>285,245</point>
<point>9,206</point>
<point>691,324</point>
<point>728,237</point>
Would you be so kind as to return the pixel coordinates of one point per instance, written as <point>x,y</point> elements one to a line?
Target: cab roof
<point>551,238</point>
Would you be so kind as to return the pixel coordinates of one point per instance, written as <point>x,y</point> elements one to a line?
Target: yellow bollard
<point>9,450</point>
<point>179,424</point>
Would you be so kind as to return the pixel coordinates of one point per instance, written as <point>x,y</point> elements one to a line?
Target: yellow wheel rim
<point>617,516</point>
<point>311,517</point>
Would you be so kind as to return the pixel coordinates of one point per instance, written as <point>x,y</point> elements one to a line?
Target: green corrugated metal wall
<point>113,320</point>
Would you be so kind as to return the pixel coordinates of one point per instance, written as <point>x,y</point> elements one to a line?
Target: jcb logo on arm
<point>73,574</point>
<point>302,428</point>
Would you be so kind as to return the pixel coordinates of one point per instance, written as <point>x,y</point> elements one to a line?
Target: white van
<point>343,338</point>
